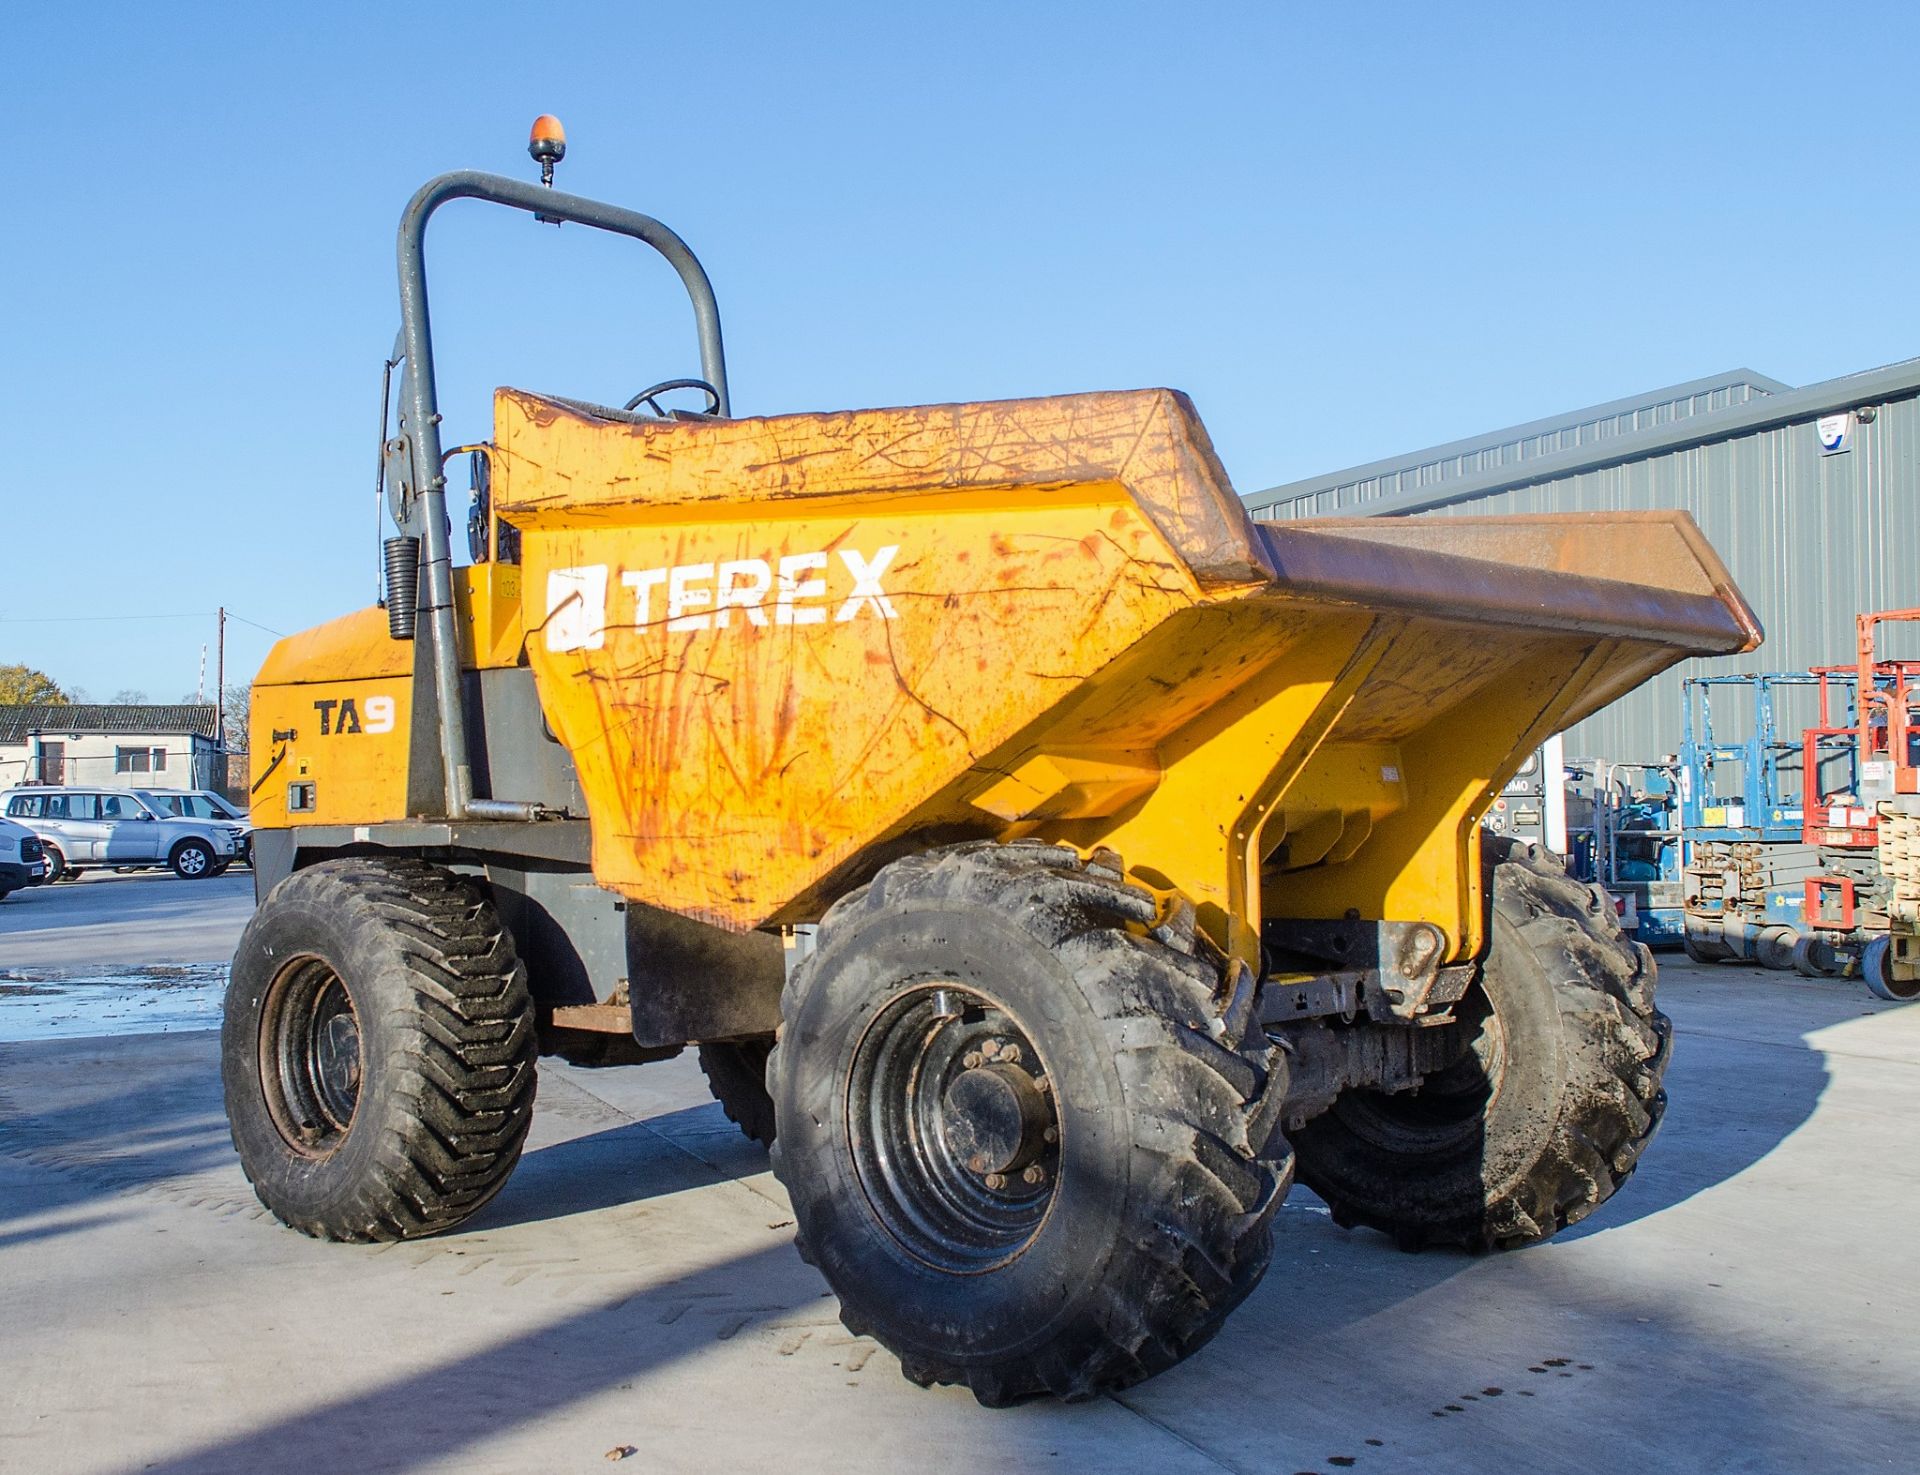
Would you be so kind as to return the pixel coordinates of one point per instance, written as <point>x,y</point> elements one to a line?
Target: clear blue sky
<point>1347,230</point>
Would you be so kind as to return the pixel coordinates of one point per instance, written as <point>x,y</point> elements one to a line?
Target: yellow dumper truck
<point>1046,859</point>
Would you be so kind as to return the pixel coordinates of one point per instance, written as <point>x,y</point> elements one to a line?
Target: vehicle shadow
<point>694,1147</point>
<point>423,1419</point>
<point>1720,1120</point>
<point>114,1116</point>
<point>1340,1337</point>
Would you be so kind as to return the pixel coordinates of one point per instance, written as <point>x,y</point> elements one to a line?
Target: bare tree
<point>239,705</point>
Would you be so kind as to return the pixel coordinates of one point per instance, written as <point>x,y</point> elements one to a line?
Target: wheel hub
<point>953,1128</point>
<point>994,1119</point>
<point>336,1052</point>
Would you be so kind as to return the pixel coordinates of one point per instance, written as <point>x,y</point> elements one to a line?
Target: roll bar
<point>423,421</point>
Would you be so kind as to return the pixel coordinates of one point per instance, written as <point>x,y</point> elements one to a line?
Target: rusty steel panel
<point>780,651</point>
<point>1150,440</point>
<point>776,647</point>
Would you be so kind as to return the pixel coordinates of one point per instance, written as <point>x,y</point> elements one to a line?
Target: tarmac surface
<point>1747,1302</point>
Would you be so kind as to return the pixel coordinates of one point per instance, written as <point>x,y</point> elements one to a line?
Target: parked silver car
<point>22,862</point>
<point>208,805</point>
<point>79,828</point>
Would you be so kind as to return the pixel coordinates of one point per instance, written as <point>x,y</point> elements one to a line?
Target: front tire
<point>1815,957</point>
<point>1544,1115</point>
<point>1876,967</point>
<point>192,860</point>
<point>1027,1127</point>
<point>378,1050</point>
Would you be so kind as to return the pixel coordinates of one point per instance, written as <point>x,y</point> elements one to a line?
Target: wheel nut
<point>1051,1135</point>
<point>1042,1084</point>
<point>971,1060</point>
<point>996,1180</point>
<point>1010,1053</point>
<point>991,1050</point>
<point>977,1163</point>
<point>1035,1175</point>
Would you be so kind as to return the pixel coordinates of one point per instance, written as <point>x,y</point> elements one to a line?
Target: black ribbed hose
<point>403,586</point>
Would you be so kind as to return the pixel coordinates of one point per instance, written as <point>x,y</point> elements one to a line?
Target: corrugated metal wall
<point>1340,493</point>
<point>1811,540</point>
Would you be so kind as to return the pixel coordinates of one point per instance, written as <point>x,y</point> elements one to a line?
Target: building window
<point>139,760</point>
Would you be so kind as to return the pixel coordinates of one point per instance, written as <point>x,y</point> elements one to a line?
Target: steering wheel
<point>647,396</point>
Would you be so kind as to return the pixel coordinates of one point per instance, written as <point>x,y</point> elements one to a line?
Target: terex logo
<point>791,590</point>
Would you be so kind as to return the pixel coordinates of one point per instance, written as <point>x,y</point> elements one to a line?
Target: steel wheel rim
<point>954,1132</point>
<point>312,1059</point>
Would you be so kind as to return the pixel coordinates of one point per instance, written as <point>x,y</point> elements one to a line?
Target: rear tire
<point>959,1009</point>
<point>1773,948</point>
<point>736,1072</point>
<point>377,1051</point>
<point>1701,949</point>
<point>1544,1116</point>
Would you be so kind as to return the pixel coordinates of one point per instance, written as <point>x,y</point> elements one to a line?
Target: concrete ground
<point>118,954</point>
<point>1746,1303</point>
<point>106,919</point>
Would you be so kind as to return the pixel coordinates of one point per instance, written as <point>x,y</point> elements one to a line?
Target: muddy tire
<point>736,1072</point>
<point>1546,1113</point>
<point>377,1051</point>
<point>1027,1122</point>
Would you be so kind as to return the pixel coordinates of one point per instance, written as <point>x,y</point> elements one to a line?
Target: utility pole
<point>220,685</point>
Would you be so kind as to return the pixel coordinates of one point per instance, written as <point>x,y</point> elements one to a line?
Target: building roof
<point>1694,413</point>
<point>18,723</point>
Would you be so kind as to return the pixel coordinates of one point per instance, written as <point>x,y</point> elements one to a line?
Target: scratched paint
<point>779,648</point>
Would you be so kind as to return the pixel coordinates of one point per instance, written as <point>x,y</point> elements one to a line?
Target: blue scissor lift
<point>1624,833</point>
<point>1741,804</point>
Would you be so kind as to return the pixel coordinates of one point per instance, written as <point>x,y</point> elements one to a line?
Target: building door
<point>53,763</point>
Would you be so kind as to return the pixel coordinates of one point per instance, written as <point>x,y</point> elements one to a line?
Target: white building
<point>122,747</point>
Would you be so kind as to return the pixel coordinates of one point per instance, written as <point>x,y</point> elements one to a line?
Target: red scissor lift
<point>1866,901</point>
